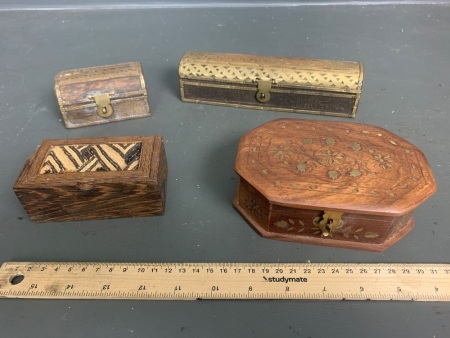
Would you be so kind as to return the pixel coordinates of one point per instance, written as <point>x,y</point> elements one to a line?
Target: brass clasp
<point>264,87</point>
<point>331,220</point>
<point>103,102</point>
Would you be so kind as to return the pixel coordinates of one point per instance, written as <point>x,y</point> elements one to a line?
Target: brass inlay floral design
<point>349,233</point>
<point>290,225</point>
<point>383,161</point>
<point>253,207</point>
<point>330,157</point>
<point>319,159</point>
<point>371,234</point>
<point>282,152</point>
<point>346,231</point>
<point>356,146</point>
<point>355,173</point>
<point>333,174</point>
<point>302,167</point>
<point>330,141</point>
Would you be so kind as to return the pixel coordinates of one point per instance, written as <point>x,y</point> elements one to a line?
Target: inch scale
<point>193,281</point>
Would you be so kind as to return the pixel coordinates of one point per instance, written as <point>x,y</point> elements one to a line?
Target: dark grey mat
<point>405,50</point>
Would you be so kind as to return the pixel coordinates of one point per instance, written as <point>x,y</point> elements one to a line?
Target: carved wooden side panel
<point>354,227</point>
<point>254,204</point>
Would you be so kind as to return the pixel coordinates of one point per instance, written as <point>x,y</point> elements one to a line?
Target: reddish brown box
<point>330,183</point>
<point>94,178</point>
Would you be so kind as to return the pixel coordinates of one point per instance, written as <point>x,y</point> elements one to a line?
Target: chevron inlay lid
<point>92,157</point>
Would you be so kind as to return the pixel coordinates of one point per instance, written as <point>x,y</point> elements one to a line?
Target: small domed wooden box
<point>102,94</point>
<point>330,183</point>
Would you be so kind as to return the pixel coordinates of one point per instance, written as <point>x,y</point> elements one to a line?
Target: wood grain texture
<point>95,195</point>
<point>124,83</point>
<point>292,171</point>
<point>298,85</point>
<point>395,234</point>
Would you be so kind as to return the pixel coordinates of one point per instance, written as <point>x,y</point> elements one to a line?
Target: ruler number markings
<point>296,281</point>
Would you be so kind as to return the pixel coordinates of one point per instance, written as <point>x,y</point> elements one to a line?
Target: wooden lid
<point>100,159</point>
<point>330,75</point>
<point>79,86</point>
<point>338,166</point>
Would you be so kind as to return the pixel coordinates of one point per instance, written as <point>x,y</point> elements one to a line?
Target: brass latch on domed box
<point>103,102</point>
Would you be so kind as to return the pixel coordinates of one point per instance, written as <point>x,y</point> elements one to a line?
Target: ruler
<point>191,281</point>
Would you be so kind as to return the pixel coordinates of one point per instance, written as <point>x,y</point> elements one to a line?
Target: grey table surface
<point>405,50</point>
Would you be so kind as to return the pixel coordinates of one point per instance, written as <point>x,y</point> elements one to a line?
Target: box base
<point>391,240</point>
<point>292,101</point>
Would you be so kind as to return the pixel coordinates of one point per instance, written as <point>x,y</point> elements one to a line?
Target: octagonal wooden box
<point>330,183</point>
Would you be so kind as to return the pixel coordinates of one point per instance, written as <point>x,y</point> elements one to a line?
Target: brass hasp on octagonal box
<point>330,183</point>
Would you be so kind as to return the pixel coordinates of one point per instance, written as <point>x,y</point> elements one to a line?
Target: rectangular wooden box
<point>330,183</point>
<point>94,178</point>
<point>96,95</point>
<point>275,83</point>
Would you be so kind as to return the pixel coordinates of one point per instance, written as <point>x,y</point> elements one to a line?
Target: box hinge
<point>329,222</point>
<point>264,88</point>
<point>103,102</point>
